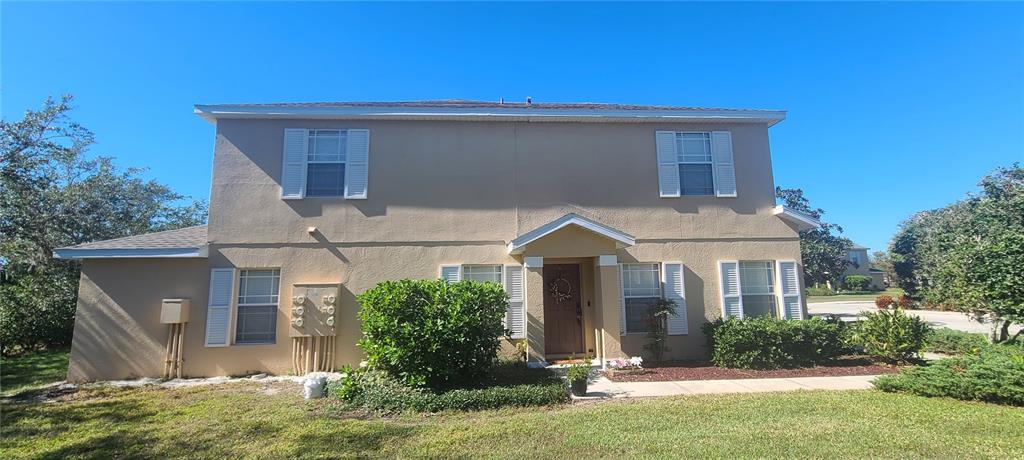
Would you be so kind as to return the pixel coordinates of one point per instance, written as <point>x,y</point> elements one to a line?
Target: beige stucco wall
<point>439,193</point>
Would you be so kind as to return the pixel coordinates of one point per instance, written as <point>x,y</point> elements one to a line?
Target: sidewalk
<point>604,388</point>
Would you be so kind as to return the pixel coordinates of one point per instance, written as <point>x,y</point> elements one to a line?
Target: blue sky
<point>893,108</point>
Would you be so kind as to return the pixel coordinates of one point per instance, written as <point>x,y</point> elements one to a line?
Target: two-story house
<point>586,213</point>
<point>860,264</point>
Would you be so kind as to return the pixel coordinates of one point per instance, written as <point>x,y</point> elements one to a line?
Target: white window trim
<point>237,304</point>
<point>622,283</point>
<point>772,278</point>
<point>710,162</point>
<point>343,153</point>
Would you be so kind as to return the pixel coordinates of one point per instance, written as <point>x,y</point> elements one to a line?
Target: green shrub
<point>377,391</point>
<point>954,342</point>
<point>995,375</point>
<point>432,333</point>
<point>891,335</point>
<point>767,343</point>
<point>819,291</point>
<point>579,371</point>
<point>857,282</point>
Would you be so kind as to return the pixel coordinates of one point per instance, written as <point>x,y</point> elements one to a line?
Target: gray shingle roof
<point>465,104</point>
<point>182,238</point>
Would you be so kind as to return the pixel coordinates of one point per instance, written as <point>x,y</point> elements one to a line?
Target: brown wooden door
<point>563,311</point>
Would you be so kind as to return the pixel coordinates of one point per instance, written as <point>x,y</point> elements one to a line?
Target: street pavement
<point>849,310</point>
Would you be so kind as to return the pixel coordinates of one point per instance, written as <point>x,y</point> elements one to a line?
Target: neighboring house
<point>586,213</point>
<point>861,265</point>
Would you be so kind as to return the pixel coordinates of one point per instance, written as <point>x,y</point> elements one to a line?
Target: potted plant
<point>577,375</point>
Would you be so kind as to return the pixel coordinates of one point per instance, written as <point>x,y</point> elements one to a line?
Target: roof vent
<point>529,100</point>
<point>501,100</point>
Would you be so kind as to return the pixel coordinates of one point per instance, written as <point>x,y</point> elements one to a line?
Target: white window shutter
<point>668,164</point>
<point>622,303</point>
<point>357,164</point>
<point>218,309</point>
<point>451,273</point>
<point>725,169</point>
<point>293,168</point>
<point>675,289</point>
<point>515,317</point>
<point>789,289</point>
<point>732,294</point>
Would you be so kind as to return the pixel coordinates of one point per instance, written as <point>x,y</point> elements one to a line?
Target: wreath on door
<point>560,290</point>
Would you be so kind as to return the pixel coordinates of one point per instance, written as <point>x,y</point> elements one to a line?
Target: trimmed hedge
<point>995,375</point>
<point>768,343</point>
<point>953,342</point>
<point>376,391</point>
<point>432,333</point>
<point>857,282</point>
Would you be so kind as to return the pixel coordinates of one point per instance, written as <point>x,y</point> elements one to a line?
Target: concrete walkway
<point>604,388</point>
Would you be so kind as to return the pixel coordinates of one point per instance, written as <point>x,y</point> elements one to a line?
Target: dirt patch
<point>703,370</point>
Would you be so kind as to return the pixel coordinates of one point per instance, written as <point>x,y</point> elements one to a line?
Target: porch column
<point>534,280</point>
<point>608,306</point>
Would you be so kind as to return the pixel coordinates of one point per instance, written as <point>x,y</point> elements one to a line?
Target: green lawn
<point>256,420</point>
<point>32,369</point>
<point>894,292</point>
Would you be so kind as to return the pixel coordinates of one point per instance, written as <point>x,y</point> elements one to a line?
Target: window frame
<point>342,154</point>
<point>499,267</point>
<point>680,154</point>
<point>658,294</point>
<point>239,305</point>
<point>773,287</point>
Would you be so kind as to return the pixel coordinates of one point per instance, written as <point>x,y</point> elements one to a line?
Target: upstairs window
<point>325,163</point>
<point>696,172</point>
<point>854,257</point>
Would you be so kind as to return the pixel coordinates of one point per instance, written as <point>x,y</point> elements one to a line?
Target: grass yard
<point>270,420</point>
<point>32,369</point>
<point>893,292</point>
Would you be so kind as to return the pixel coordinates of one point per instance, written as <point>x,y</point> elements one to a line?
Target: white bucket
<point>314,386</point>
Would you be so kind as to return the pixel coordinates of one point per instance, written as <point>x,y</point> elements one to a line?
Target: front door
<point>563,311</point>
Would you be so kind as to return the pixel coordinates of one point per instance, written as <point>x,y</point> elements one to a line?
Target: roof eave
<point>212,113</point>
<point>132,253</point>
<point>801,220</point>
<point>622,240</point>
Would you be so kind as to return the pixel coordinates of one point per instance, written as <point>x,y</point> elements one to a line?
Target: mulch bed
<point>703,370</point>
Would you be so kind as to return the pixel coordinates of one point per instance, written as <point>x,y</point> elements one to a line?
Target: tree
<point>970,255</point>
<point>880,260</point>
<point>52,195</point>
<point>822,249</point>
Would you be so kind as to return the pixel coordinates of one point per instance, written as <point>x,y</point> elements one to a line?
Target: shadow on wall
<point>433,165</point>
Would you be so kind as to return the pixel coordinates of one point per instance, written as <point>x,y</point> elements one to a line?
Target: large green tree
<point>53,194</point>
<point>822,249</point>
<point>970,255</point>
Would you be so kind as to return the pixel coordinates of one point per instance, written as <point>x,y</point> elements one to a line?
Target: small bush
<point>577,372</point>
<point>891,335</point>
<point>767,343</point>
<point>906,302</point>
<point>995,375</point>
<point>377,391</point>
<point>883,302</point>
<point>819,291</point>
<point>432,333</point>
<point>954,342</point>
<point>857,282</point>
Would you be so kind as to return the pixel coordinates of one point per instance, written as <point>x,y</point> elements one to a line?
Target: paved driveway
<point>939,319</point>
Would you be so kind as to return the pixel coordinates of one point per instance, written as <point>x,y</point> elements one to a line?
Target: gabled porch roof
<point>621,239</point>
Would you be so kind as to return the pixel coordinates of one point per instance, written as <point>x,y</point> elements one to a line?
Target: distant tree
<point>52,195</point>
<point>970,254</point>
<point>880,260</point>
<point>822,249</point>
